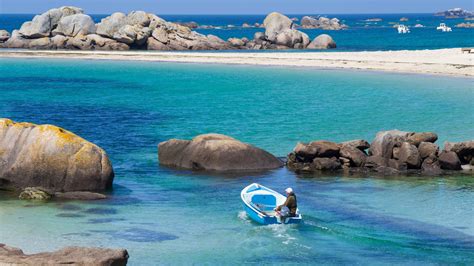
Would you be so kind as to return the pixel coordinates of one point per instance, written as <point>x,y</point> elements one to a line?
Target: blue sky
<point>239,6</point>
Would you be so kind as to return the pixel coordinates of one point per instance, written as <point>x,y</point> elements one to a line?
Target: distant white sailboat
<point>442,27</point>
<point>402,29</point>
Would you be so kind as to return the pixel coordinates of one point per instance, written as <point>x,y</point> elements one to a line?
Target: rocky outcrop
<point>68,255</point>
<point>52,158</point>
<point>322,41</point>
<point>391,152</point>
<point>455,13</point>
<point>215,152</point>
<point>70,28</point>
<point>324,23</point>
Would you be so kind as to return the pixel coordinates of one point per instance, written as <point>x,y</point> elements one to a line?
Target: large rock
<point>4,36</point>
<point>355,155</point>
<point>322,148</point>
<point>464,150</point>
<point>280,30</point>
<point>427,149</point>
<point>417,138</point>
<point>358,143</point>
<point>78,24</point>
<point>275,23</point>
<point>431,166</point>
<point>326,164</point>
<point>409,154</point>
<point>322,41</point>
<point>50,157</point>
<point>110,25</point>
<point>68,255</point>
<point>17,41</point>
<point>449,160</point>
<point>384,142</point>
<point>215,152</point>
<point>42,25</point>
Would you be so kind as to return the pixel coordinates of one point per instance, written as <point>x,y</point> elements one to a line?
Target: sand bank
<point>441,62</point>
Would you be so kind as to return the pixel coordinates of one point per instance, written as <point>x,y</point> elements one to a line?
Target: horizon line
<point>237,14</point>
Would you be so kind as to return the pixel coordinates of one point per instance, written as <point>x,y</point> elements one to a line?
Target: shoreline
<point>444,62</point>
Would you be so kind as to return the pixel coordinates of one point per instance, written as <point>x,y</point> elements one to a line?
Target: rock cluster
<point>391,152</point>
<point>323,23</point>
<point>69,255</point>
<point>52,158</point>
<point>467,25</point>
<point>455,13</point>
<point>215,152</point>
<point>70,28</point>
<point>281,33</point>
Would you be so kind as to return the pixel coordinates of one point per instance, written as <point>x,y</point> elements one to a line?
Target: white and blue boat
<point>259,202</point>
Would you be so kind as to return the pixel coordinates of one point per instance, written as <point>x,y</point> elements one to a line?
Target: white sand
<point>441,62</point>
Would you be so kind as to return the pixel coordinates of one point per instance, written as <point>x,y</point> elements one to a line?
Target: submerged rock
<point>35,193</point>
<point>79,195</point>
<point>68,255</point>
<point>215,152</point>
<point>50,157</point>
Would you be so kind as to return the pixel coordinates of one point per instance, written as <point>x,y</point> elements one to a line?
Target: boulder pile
<point>391,152</point>
<point>215,152</point>
<point>69,28</point>
<point>52,158</point>
<point>323,23</point>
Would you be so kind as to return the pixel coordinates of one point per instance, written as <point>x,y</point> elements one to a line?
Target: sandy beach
<point>450,62</point>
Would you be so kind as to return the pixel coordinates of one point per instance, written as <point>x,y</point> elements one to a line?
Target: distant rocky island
<point>69,28</point>
<point>455,13</point>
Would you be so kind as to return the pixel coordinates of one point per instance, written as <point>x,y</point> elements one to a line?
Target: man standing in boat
<point>290,204</point>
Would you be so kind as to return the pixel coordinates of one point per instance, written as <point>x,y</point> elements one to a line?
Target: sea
<point>165,216</point>
<point>361,35</point>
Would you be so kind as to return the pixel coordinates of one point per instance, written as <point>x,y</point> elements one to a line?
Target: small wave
<point>242,215</point>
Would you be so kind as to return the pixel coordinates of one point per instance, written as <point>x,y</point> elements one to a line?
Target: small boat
<point>259,202</point>
<point>402,29</point>
<point>442,27</point>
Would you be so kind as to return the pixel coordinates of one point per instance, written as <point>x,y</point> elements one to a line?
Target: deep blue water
<point>360,36</point>
<point>173,217</point>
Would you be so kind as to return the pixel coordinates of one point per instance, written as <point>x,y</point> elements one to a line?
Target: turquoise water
<point>360,36</point>
<point>167,216</point>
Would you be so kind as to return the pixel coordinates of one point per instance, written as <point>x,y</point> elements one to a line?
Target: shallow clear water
<point>178,217</point>
<point>360,36</point>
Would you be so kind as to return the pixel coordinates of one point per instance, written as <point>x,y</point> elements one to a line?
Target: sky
<point>239,6</point>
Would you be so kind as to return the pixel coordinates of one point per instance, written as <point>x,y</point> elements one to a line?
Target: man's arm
<point>284,204</point>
